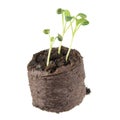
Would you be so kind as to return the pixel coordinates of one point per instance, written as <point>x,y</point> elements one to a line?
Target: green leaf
<point>67,12</point>
<point>46,31</point>
<point>68,18</point>
<point>82,21</point>
<point>79,21</point>
<point>85,22</point>
<point>52,39</point>
<point>59,11</point>
<point>60,38</point>
<point>82,15</point>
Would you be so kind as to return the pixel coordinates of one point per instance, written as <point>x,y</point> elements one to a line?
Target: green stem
<point>62,20</point>
<point>69,48</point>
<point>59,49</point>
<point>63,32</point>
<point>72,28</point>
<point>77,28</point>
<point>48,58</point>
<point>73,33</point>
<point>69,26</point>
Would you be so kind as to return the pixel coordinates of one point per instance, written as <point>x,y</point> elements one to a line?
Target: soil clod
<point>88,91</point>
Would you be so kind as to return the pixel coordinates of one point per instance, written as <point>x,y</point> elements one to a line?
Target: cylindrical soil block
<point>61,89</point>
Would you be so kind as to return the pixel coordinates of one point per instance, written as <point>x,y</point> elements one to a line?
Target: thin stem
<point>48,58</point>
<point>69,48</point>
<point>63,32</point>
<point>65,28</point>
<point>73,33</point>
<point>78,27</point>
<point>63,20</point>
<point>69,26</point>
<point>59,49</point>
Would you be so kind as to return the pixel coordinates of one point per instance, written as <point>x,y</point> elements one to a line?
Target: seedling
<point>79,20</point>
<point>66,17</point>
<point>52,40</point>
<point>68,21</point>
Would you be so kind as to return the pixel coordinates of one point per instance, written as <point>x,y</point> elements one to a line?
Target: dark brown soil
<point>60,86</point>
<point>39,59</point>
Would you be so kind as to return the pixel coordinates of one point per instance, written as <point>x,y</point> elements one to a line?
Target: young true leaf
<point>60,38</point>
<point>82,15</point>
<point>68,18</point>
<point>85,22</point>
<point>82,21</point>
<point>59,11</point>
<point>67,12</point>
<point>79,21</point>
<point>46,31</point>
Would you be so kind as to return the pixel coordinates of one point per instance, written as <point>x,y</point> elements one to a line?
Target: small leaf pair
<point>82,20</point>
<point>68,16</point>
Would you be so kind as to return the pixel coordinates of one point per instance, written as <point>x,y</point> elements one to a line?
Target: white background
<point>21,25</point>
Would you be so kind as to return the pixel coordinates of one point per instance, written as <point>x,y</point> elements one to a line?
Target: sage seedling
<point>68,21</point>
<point>66,17</point>
<point>80,19</point>
<point>52,40</point>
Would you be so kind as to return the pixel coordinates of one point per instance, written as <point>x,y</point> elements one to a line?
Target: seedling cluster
<point>68,22</point>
